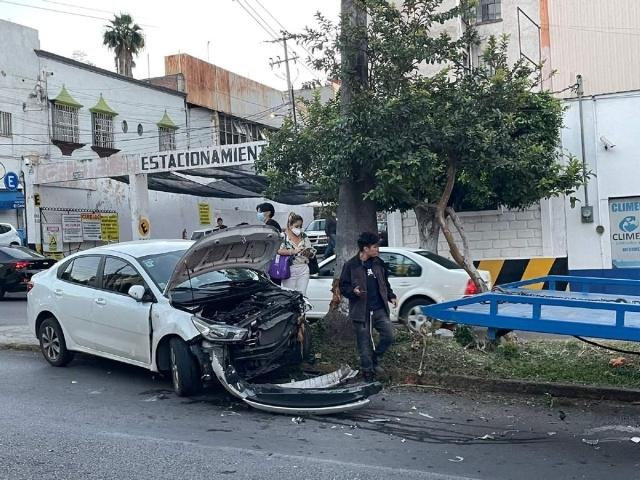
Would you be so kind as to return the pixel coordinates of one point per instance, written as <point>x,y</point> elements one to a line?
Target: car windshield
<point>315,226</point>
<point>221,278</point>
<point>443,262</point>
<point>160,266</point>
<point>21,253</point>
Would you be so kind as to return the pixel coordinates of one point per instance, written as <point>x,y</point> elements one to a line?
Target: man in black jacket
<point>365,282</point>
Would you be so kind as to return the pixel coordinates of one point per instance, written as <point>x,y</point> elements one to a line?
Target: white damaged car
<point>193,310</point>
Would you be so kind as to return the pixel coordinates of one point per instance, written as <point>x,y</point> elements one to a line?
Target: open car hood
<point>251,246</point>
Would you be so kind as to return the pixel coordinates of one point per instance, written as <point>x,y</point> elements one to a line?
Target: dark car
<point>17,265</point>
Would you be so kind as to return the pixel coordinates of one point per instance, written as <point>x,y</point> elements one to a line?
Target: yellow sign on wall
<point>204,213</point>
<point>109,227</point>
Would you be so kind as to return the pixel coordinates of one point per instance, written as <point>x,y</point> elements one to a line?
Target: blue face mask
<point>260,216</point>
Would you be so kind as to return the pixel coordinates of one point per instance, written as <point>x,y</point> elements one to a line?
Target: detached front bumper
<point>318,396</point>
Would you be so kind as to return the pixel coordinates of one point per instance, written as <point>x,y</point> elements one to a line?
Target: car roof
<point>142,248</point>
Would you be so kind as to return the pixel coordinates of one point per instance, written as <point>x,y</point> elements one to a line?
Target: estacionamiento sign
<point>217,156</point>
<point>624,218</point>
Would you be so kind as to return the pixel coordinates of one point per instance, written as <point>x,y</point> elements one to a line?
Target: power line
<point>281,25</point>
<point>256,20</point>
<point>65,12</point>
<point>55,10</point>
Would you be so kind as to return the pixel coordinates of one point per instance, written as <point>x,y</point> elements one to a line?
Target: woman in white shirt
<point>297,245</point>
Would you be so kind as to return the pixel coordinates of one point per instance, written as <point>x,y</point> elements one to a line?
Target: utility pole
<point>286,36</point>
<point>586,211</point>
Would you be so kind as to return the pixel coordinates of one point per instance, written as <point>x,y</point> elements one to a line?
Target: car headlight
<point>220,332</point>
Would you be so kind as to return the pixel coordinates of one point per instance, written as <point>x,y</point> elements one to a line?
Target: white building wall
<point>614,117</point>
<point>491,234</point>
<point>20,98</point>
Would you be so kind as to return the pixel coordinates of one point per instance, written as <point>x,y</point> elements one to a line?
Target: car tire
<point>411,315</point>
<point>52,343</point>
<point>14,244</point>
<point>185,371</point>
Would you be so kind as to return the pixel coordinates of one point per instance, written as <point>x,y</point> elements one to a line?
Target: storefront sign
<point>109,227</point>
<point>91,227</point>
<point>624,218</point>
<point>72,228</point>
<point>204,213</point>
<point>218,156</point>
<point>52,241</point>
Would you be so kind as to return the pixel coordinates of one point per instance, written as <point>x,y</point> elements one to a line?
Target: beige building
<point>595,38</point>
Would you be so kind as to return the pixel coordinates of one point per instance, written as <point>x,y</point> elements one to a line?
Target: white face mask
<point>296,231</point>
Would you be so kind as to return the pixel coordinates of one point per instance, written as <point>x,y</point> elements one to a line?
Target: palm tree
<point>125,38</point>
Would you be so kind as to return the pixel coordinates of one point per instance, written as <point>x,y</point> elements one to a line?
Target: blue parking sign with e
<point>11,181</point>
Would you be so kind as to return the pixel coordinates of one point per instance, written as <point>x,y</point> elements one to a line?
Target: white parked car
<point>417,277</point>
<point>9,235</point>
<point>317,237</point>
<point>194,310</point>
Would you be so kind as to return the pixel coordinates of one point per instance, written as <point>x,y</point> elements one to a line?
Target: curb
<point>566,390</point>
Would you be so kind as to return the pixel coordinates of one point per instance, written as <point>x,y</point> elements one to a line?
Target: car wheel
<point>52,343</point>
<point>14,244</point>
<point>185,371</point>
<point>412,314</point>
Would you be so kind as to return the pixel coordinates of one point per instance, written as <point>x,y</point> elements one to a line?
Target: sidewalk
<point>19,338</point>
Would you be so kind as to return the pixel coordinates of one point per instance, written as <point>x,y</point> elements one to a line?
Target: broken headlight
<point>220,332</point>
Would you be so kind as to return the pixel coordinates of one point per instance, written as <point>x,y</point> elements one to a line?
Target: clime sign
<point>207,157</point>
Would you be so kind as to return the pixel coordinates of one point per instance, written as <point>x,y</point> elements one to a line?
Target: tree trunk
<point>464,261</point>
<point>355,214</point>
<point>428,227</point>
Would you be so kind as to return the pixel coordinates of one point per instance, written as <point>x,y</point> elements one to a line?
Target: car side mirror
<point>137,292</point>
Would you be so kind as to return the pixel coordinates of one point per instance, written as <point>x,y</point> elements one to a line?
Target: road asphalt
<point>102,419</point>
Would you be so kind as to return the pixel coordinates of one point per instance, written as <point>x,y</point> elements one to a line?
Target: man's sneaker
<point>378,370</point>
<point>368,376</point>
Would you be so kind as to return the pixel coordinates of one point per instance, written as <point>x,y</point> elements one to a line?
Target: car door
<point>319,289</point>
<point>121,323</point>
<point>404,273</point>
<point>75,291</point>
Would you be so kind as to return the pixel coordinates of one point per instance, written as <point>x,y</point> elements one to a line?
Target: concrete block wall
<point>491,235</point>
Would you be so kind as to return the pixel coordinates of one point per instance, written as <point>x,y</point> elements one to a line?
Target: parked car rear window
<point>21,253</point>
<point>4,228</point>
<point>400,266</point>
<point>443,262</point>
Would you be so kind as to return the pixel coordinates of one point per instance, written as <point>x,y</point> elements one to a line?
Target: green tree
<point>375,51</point>
<point>126,39</point>
<point>484,130</point>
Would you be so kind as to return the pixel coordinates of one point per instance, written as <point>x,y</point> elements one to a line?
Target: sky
<point>220,30</point>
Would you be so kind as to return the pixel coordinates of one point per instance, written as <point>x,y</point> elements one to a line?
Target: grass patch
<point>562,361</point>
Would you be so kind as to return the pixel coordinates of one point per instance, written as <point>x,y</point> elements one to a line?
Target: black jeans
<point>370,355</point>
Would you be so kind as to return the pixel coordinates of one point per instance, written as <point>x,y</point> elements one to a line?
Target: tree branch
<point>453,216</point>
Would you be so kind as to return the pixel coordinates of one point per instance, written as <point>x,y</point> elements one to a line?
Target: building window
<point>489,10</point>
<point>102,130</point>
<point>65,123</point>
<point>167,138</point>
<point>5,124</point>
<point>235,130</point>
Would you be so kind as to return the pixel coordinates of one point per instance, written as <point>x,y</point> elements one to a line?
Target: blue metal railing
<point>517,308</point>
